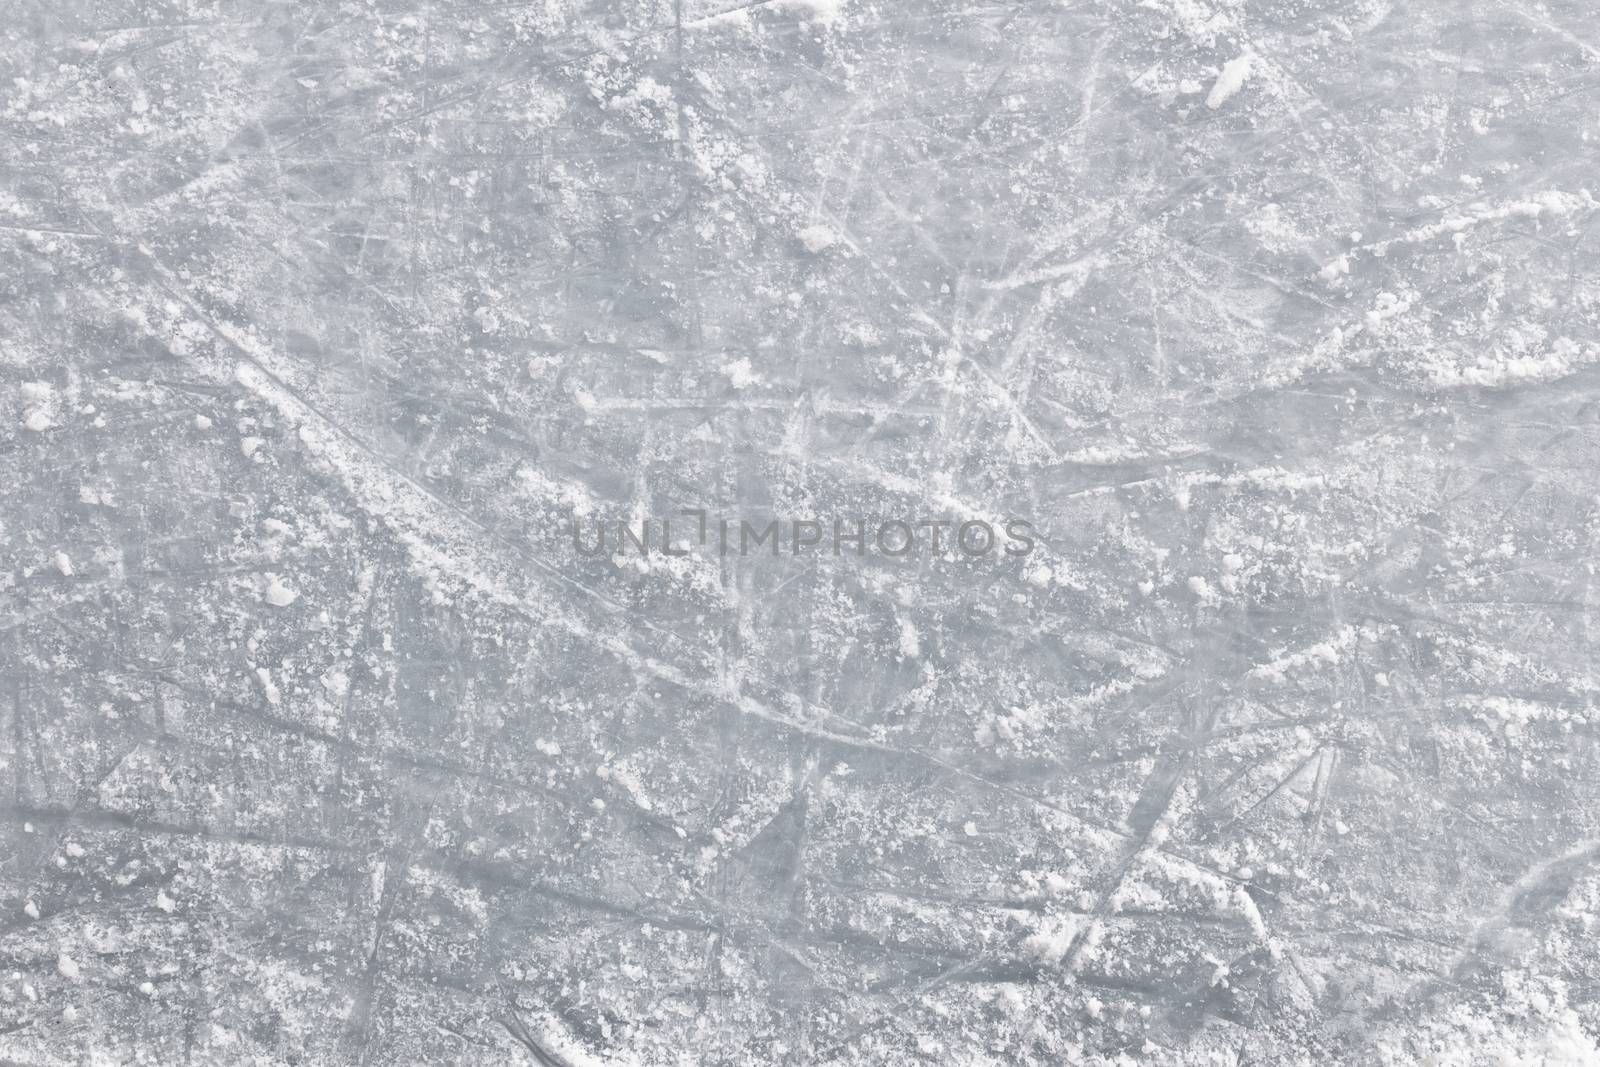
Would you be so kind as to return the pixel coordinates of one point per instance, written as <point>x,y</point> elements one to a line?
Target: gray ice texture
<point>323,323</point>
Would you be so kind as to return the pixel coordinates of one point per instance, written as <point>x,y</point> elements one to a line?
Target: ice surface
<point>321,323</point>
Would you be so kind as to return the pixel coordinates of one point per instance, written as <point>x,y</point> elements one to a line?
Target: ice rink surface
<point>322,323</point>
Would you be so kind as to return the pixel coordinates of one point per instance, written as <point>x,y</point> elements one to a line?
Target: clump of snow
<point>1388,306</point>
<point>1504,366</point>
<point>740,373</point>
<point>1052,940</point>
<point>1327,653</point>
<point>1550,203</point>
<point>910,644</point>
<point>817,238</point>
<point>268,686</point>
<point>278,594</point>
<point>1234,74</point>
<point>622,774</point>
<point>40,400</point>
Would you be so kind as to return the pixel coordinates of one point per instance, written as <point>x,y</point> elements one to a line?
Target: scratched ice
<point>323,323</point>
